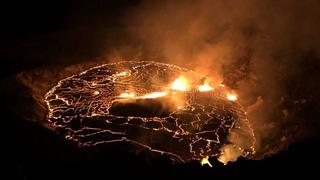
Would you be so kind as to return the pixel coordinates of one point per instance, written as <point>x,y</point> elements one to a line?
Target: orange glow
<point>229,153</point>
<point>205,87</point>
<point>154,95</point>
<point>180,84</point>
<point>232,97</point>
<point>124,73</point>
<point>205,160</point>
<point>127,95</point>
<point>96,93</point>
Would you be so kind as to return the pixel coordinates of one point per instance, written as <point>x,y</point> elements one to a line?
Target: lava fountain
<point>163,108</point>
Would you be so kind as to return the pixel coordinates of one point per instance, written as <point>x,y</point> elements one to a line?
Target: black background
<point>43,34</point>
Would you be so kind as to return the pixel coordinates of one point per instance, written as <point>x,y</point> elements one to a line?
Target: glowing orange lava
<point>205,160</point>
<point>129,101</point>
<point>154,95</point>
<point>180,84</point>
<point>96,93</point>
<point>232,97</point>
<point>205,87</point>
<point>124,73</point>
<point>127,95</point>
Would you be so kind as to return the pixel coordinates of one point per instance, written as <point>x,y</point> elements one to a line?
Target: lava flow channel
<point>164,108</point>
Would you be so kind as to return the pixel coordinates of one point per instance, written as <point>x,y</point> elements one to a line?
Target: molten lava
<point>180,84</point>
<point>232,97</point>
<point>124,73</point>
<point>127,95</point>
<point>205,87</point>
<point>96,93</point>
<point>154,95</point>
<point>138,102</point>
<point>205,160</point>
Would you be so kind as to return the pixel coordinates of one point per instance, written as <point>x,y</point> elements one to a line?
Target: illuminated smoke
<point>261,49</point>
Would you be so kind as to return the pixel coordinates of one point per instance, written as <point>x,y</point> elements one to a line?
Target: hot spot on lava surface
<point>153,105</point>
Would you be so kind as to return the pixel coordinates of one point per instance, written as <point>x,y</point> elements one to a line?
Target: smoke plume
<point>268,51</point>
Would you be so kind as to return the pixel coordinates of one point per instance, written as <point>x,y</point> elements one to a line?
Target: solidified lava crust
<point>90,110</point>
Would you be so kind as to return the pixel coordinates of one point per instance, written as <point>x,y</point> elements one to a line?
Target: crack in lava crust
<point>86,107</point>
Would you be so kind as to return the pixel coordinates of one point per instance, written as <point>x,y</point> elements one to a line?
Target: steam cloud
<point>267,50</point>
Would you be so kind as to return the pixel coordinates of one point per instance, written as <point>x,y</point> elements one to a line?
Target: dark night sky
<point>52,34</point>
<point>36,34</point>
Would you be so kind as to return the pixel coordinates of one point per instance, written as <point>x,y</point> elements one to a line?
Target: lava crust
<point>185,125</point>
